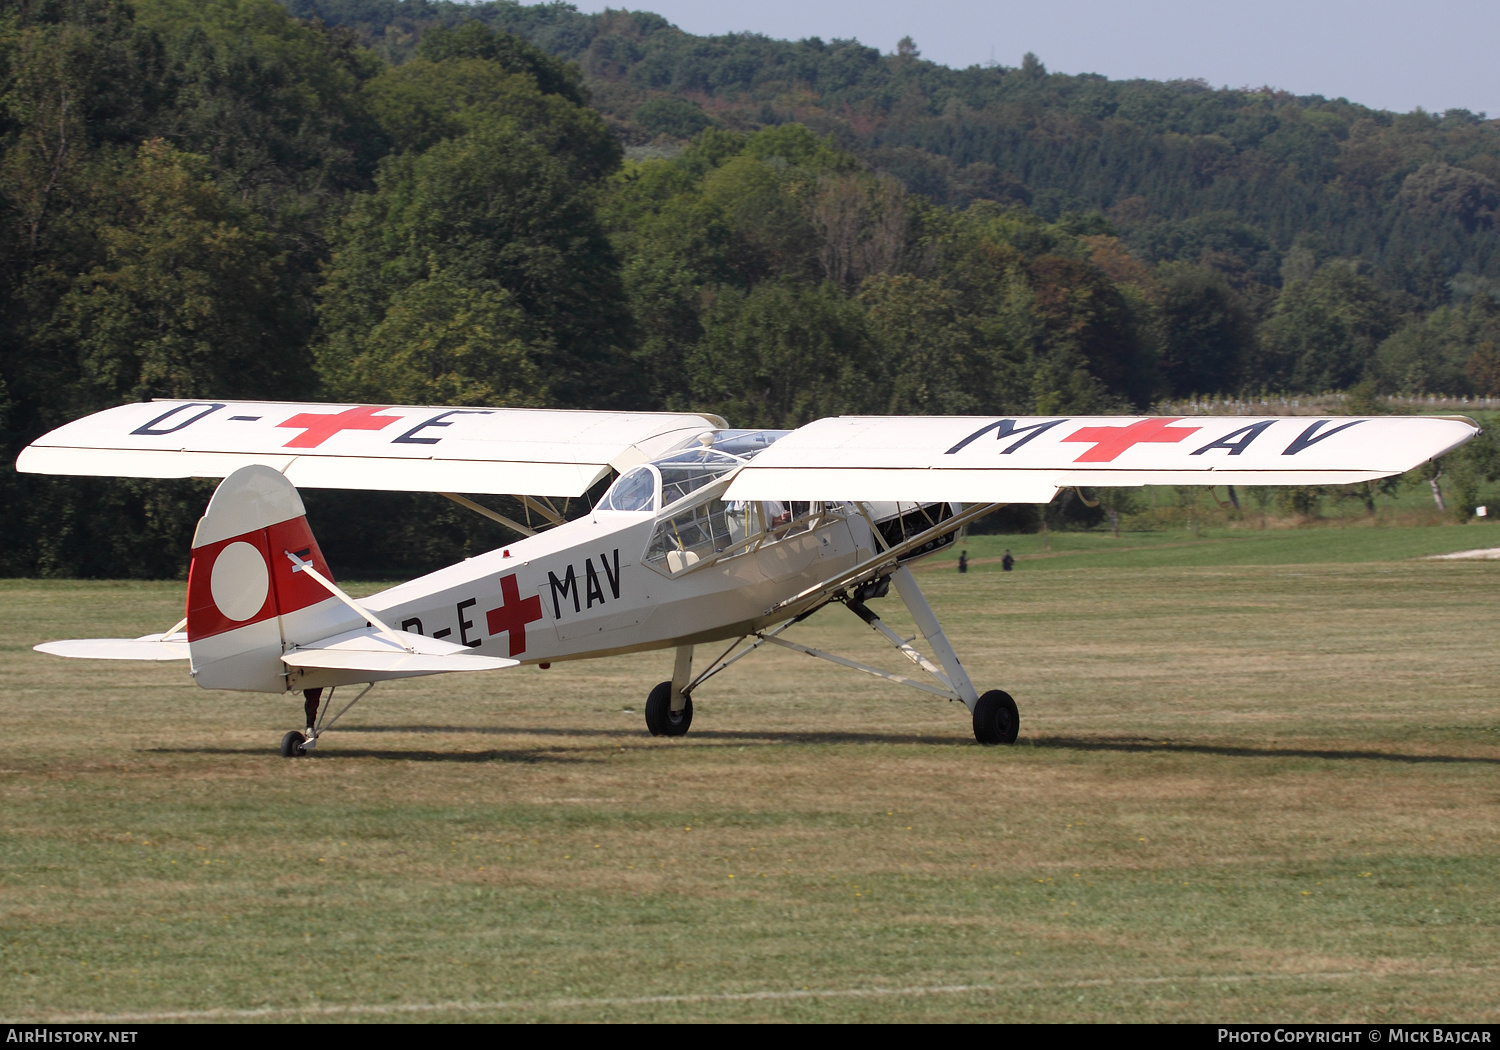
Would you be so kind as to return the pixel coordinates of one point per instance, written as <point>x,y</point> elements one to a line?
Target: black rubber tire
<point>660,719</point>
<point>291,745</point>
<point>996,720</point>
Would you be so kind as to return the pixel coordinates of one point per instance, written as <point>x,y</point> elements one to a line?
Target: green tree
<point>783,355</point>
<point>1088,323</point>
<point>444,342</point>
<point>184,300</point>
<point>492,211</point>
<point>423,102</point>
<point>928,360</point>
<point>772,232</point>
<point>1205,332</point>
<point>1323,333</point>
<point>473,39</point>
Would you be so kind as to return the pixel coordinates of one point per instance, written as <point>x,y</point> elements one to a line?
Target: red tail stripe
<point>288,591</point>
<point>203,615</point>
<point>295,590</point>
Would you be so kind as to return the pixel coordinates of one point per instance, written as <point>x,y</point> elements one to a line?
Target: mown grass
<point>1243,791</point>
<point>1168,548</point>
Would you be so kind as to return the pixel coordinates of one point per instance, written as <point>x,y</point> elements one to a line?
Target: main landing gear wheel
<point>661,720</point>
<point>996,719</point>
<point>291,745</point>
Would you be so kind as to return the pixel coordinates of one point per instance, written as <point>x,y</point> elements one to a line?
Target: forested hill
<point>410,203</point>
<point>1260,185</point>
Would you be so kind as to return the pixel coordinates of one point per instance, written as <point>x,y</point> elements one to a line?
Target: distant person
<point>963,561</point>
<point>1007,563</point>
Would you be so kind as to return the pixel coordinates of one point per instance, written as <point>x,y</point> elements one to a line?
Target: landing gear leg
<point>927,623</point>
<point>996,720</point>
<point>295,744</point>
<point>669,710</point>
<point>310,700</point>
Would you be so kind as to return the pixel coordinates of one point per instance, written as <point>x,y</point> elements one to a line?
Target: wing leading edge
<point>1027,459</point>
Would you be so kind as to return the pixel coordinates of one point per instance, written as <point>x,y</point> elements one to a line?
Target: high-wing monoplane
<point>707,534</point>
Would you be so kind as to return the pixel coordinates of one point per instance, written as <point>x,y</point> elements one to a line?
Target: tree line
<point>216,197</point>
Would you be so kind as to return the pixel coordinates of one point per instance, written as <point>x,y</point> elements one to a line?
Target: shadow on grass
<point>1075,744</point>
<point>727,736</point>
<point>333,751</point>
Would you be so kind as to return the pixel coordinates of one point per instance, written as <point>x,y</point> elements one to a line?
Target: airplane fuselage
<point>587,588</point>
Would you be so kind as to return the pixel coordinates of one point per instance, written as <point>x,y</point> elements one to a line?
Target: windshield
<point>636,490</point>
<point>687,470</point>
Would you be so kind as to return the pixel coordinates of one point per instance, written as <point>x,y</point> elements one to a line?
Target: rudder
<point>244,602</point>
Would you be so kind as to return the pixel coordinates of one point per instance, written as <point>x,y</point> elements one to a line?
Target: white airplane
<point>708,535</point>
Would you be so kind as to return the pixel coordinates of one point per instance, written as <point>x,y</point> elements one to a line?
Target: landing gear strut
<point>994,713</point>
<point>669,708</point>
<point>310,699</point>
<point>295,744</point>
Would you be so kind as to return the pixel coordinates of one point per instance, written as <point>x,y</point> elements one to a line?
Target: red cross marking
<point>1109,442</point>
<point>514,614</point>
<point>318,427</point>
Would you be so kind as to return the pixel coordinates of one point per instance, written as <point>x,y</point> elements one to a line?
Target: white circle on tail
<point>240,581</point>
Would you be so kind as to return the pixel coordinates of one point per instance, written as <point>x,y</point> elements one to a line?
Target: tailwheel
<point>996,719</point>
<point>661,720</point>
<point>292,745</point>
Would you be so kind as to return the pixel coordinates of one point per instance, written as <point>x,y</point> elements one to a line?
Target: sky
<point>1388,54</point>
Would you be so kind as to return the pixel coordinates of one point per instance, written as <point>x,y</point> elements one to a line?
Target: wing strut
<point>543,507</point>
<point>885,562</point>
<point>493,515</point>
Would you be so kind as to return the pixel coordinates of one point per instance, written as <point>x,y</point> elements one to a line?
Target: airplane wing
<point>551,452</point>
<point>1028,459</point>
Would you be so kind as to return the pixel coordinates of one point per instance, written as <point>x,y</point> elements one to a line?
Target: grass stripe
<point>497,1006</point>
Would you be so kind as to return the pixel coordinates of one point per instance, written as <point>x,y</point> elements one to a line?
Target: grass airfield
<point>1258,778</point>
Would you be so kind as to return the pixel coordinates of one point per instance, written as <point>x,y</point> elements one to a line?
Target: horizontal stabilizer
<point>366,650</point>
<point>146,647</point>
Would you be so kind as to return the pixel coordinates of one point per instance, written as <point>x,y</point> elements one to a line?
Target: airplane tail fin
<point>244,602</point>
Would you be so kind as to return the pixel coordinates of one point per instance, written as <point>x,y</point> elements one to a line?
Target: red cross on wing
<point>1109,442</point>
<point>318,427</point>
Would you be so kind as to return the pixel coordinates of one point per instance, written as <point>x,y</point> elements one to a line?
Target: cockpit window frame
<point>607,503</point>
<point>681,515</point>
